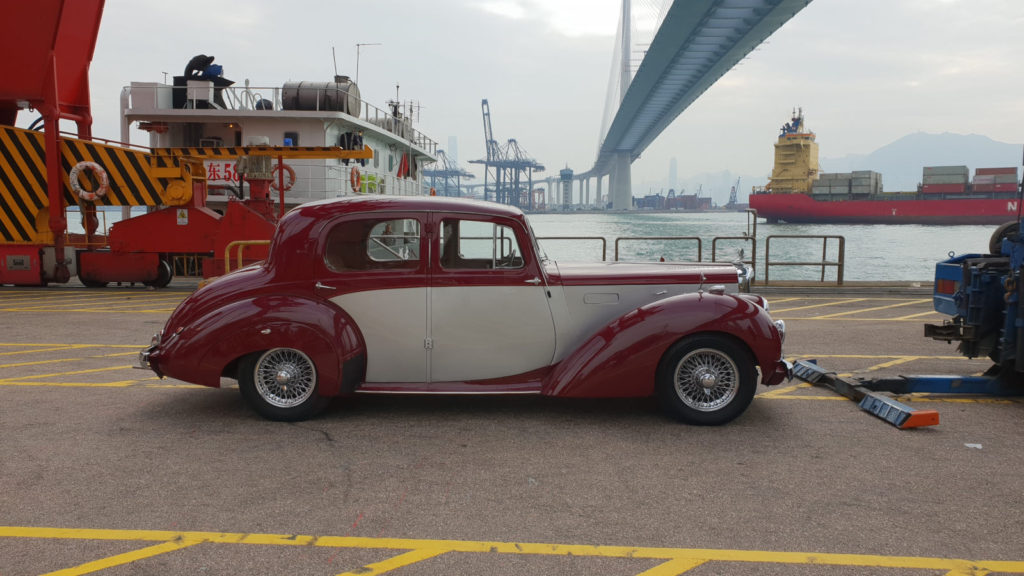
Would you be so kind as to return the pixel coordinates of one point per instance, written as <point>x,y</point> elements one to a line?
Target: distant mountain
<point>902,161</point>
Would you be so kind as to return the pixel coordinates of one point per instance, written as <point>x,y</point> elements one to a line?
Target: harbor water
<point>873,253</point>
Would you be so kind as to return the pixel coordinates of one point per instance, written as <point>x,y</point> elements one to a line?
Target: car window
<point>471,244</point>
<point>373,244</point>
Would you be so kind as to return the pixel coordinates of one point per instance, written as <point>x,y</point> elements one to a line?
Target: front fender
<point>622,358</point>
<point>202,352</point>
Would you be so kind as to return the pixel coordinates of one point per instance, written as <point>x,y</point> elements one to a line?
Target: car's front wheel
<point>281,384</point>
<point>706,380</point>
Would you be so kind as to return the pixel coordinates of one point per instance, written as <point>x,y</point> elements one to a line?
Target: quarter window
<point>373,244</point>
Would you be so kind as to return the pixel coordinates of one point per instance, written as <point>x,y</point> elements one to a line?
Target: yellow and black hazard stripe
<point>22,183</point>
<point>23,178</point>
<point>129,171</point>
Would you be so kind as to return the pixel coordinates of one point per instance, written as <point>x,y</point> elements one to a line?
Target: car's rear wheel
<point>281,384</point>
<point>706,380</point>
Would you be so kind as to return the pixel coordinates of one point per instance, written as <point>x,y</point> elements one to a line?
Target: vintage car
<point>433,295</point>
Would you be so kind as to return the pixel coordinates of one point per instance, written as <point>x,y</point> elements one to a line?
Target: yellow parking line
<point>674,567</point>
<point>395,562</point>
<point>775,312</point>
<point>70,373</point>
<point>422,549</point>
<point>58,360</point>
<point>92,310</point>
<point>874,308</point>
<point>126,558</point>
<point>65,345</point>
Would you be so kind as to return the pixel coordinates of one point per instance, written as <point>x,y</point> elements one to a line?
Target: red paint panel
<point>621,360</point>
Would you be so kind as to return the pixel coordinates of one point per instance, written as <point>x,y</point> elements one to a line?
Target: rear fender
<point>218,340</point>
<point>622,358</point>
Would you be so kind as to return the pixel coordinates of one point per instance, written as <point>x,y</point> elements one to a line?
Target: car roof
<point>372,203</point>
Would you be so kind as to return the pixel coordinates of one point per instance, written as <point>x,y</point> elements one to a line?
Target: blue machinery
<point>983,294</point>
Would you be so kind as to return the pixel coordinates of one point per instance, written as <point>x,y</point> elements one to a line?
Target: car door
<point>376,264</point>
<point>489,315</point>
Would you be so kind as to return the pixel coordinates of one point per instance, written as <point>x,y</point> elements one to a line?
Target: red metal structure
<point>50,72</point>
<point>41,174</point>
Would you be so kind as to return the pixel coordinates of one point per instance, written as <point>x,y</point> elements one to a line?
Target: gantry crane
<point>509,167</point>
<point>447,179</point>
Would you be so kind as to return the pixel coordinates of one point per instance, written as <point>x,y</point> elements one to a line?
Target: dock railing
<point>824,264</point>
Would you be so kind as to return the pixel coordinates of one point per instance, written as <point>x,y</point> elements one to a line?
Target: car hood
<point>625,273</point>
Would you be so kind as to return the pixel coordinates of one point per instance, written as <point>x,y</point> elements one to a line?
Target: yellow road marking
<point>126,558</point>
<point>822,305</point>
<point>66,345</point>
<point>874,308</point>
<point>674,567</point>
<point>395,562</point>
<point>59,360</point>
<point>421,549</point>
<point>71,373</point>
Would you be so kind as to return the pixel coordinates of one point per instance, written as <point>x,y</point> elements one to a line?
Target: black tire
<point>91,284</point>
<point>706,380</point>
<point>164,275</point>
<point>1008,230</point>
<point>281,384</point>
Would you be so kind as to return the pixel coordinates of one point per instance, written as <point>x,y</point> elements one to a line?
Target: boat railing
<point>144,96</point>
<point>839,261</point>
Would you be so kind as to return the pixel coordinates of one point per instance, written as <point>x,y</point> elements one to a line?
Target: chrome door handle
<point>535,281</point>
<point>323,286</point>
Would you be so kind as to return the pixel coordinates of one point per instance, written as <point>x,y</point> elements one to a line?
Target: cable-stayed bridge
<point>695,42</point>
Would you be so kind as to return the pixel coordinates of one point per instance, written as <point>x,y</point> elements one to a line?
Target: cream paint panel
<point>481,332</point>
<point>583,310</point>
<point>394,326</point>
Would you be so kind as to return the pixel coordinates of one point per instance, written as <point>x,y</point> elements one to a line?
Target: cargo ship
<point>799,193</point>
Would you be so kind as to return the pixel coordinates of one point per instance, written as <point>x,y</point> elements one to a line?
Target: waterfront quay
<point>107,469</point>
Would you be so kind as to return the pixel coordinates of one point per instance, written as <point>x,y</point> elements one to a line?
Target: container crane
<point>446,180</point>
<point>509,167</point>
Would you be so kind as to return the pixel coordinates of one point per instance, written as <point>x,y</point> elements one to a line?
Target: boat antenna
<point>334,57</point>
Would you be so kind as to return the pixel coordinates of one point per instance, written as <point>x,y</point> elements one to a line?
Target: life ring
<point>98,172</point>
<point>354,179</point>
<point>288,183</point>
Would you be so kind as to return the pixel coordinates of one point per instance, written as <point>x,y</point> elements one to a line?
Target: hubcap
<point>706,379</point>
<point>285,377</point>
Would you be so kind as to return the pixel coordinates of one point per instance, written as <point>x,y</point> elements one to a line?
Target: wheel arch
<point>321,330</point>
<point>623,358</point>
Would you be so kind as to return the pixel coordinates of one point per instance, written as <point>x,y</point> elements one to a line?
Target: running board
<point>896,413</point>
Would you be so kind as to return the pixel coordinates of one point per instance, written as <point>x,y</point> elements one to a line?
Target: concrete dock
<point>107,469</point>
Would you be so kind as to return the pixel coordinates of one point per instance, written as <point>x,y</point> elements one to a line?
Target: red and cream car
<point>448,296</point>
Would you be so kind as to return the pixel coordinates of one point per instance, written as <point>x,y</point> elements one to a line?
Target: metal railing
<point>670,238</point>
<point>601,239</point>
<point>241,245</point>
<point>160,96</point>
<point>839,263</point>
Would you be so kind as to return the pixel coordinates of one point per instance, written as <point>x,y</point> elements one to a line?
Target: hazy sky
<point>866,72</point>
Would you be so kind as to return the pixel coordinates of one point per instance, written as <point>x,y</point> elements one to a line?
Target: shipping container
<point>984,179</point>
<point>984,171</point>
<point>946,170</point>
<point>1006,178</point>
<point>945,179</point>
<point>943,188</point>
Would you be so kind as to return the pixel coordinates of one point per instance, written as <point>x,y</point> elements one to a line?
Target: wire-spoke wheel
<point>706,380</point>
<point>281,384</point>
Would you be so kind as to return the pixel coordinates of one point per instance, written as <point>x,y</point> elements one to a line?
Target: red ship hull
<point>806,209</point>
